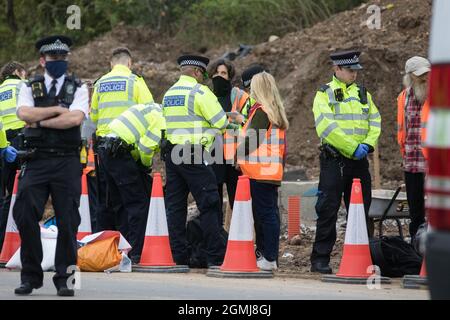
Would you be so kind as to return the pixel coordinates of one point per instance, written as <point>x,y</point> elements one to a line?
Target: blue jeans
<point>267,218</point>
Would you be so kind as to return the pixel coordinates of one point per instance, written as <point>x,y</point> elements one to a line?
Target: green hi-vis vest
<point>9,93</point>
<point>193,114</point>
<point>346,117</point>
<point>114,93</point>
<point>141,126</point>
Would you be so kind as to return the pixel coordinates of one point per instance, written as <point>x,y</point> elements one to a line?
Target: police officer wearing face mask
<point>53,106</point>
<point>235,102</point>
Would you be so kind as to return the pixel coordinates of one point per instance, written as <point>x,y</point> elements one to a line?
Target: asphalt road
<point>197,286</point>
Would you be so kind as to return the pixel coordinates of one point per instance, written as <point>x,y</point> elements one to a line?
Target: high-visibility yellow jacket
<point>141,126</point>
<point>347,123</point>
<point>9,92</point>
<point>193,114</point>
<point>114,93</point>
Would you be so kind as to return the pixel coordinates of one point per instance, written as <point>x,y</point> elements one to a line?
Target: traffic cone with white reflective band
<point>356,261</point>
<point>240,258</point>
<point>12,237</point>
<point>84,229</point>
<point>156,254</point>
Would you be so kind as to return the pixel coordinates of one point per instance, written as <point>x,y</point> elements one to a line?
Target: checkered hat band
<point>193,63</point>
<point>345,61</point>
<point>57,46</point>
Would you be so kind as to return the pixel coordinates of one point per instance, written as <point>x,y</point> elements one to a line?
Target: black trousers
<point>226,174</point>
<point>8,174</point>
<point>93,198</point>
<point>416,203</point>
<point>59,177</point>
<point>200,180</point>
<point>110,214</point>
<point>126,182</point>
<point>332,184</point>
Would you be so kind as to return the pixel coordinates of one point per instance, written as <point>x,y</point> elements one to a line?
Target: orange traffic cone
<point>12,237</point>
<point>84,229</point>
<point>156,255</point>
<point>240,258</point>
<point>356,261</point>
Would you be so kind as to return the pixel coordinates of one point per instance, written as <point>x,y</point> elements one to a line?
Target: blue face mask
<point>56,68</point>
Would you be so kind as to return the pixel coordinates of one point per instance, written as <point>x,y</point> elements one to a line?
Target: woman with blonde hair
<point>261,156</point>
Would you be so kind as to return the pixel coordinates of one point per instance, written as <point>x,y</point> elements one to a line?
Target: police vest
<point>46,138</point>
<point>9,92</point>
<point>266,162</point>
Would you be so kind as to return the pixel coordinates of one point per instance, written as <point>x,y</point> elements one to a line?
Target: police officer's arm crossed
<point>53,105</point>
<point>58,116</point>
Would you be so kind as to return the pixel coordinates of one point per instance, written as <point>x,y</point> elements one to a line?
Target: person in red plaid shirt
<point>413,110</point>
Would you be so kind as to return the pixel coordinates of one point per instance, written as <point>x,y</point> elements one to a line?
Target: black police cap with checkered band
<point>349,59</point>
<point>195,61</point>
<point>54,45</point>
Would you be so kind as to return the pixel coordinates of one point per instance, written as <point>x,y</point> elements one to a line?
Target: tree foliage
<point>197,22</point>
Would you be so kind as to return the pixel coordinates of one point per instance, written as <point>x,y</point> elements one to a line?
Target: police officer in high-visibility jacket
<point>194,117</point>
<point>13,74</point>
<point>349,125</point>
<point>137,135</point>
<point>114,93</point>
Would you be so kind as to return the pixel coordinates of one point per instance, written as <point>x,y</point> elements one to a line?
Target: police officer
<point>127,155</point>
<point>349,125</point>
<point>53,106</point>
<point>193,117</point>
<point>13,75</point>
<point>114,93</point>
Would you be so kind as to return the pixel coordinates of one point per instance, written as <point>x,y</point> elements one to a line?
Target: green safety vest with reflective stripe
<point>9,93</point>
<point>3,141</point>
<point>346,124</point>
<point>193,114</point>
<point>141,126</point>
<point>114,93</point>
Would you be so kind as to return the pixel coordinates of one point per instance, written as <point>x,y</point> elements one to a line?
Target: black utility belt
<point>50,152</point>
<point>330,152</point>
<point>12,133</point>
<point>114,145</point>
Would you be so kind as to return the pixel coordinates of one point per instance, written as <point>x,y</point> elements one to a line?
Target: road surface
<point>197,286</point>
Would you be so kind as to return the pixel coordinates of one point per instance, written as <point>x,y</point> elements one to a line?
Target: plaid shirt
<point>413,160</point>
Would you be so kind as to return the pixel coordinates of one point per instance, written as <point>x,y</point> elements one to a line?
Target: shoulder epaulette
<point>324,88</point>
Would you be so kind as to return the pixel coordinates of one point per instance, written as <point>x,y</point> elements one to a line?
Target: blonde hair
<point>264,90</point>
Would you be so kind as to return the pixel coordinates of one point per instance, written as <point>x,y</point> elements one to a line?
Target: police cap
<point>348,59</point>
<point>54,45</point>
<point>194,61</point>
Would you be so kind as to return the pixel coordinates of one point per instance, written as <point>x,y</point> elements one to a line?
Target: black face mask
<point>222,86</point>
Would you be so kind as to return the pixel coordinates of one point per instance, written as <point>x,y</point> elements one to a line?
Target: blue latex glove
<point>361,152</point>
<point>9,154</point>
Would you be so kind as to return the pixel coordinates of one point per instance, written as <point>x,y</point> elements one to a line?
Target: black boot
<point>26,288</point>
<point>321,267</point>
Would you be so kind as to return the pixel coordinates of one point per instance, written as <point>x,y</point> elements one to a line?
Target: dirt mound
<point>300,63</point>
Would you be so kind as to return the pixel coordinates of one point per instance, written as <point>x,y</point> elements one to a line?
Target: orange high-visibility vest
<point>266,162</point>
<point>401,128</point>
<point>230,140</point>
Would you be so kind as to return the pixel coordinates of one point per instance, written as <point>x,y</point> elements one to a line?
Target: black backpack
<point>394,257</point>
<point>196,244</point>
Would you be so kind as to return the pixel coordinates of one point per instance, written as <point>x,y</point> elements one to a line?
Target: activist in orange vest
<point>260,156</point>
<point>234,101</point>
<point>412,116</point>
<point>402,99</point>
